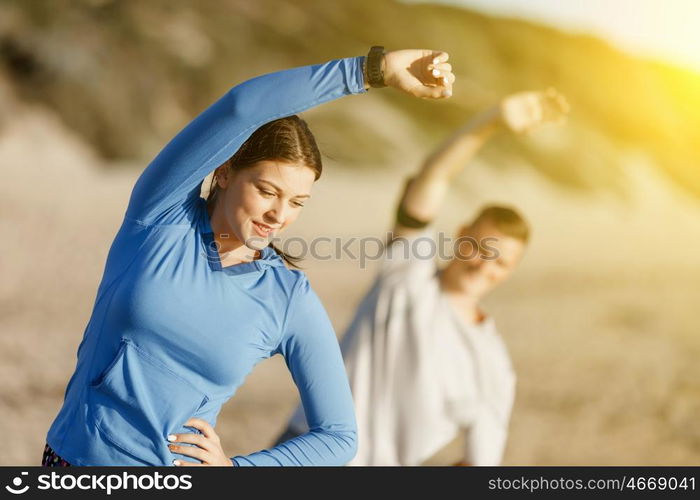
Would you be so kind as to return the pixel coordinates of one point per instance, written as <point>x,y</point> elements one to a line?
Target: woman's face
<point>259,201</point>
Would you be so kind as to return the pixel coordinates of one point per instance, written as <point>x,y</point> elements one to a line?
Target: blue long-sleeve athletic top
<point>173,334</point>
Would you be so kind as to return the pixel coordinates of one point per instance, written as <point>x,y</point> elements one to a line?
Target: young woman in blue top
<point>194,294</point>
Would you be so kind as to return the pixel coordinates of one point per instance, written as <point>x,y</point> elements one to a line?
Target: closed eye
<point>268,194</point>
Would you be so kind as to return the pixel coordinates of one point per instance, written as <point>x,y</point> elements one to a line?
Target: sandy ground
<point>600,319</point>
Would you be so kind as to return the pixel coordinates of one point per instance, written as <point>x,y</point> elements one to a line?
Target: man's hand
<point>420,73</point>
<point>526,111</point>
<point>208,446</point>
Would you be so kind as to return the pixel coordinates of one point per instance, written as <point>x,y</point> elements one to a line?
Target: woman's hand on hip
<point>207,447</point>
<point>420,73</point>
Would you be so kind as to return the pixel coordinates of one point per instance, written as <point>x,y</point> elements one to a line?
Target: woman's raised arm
<point>174,177</point>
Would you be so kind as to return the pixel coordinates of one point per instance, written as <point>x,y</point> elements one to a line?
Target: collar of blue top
<point>268,256</point>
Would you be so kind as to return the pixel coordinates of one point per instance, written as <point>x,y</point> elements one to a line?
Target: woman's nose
<point>277,214</point>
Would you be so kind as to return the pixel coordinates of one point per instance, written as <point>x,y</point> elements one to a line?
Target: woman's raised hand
<point>207,447</point>
<point>420,73</point>
<point>526,111</point>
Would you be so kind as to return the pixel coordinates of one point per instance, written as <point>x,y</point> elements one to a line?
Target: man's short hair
<point>506,219</point>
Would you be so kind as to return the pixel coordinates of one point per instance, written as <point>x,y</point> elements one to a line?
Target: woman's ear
<point>222,177</point>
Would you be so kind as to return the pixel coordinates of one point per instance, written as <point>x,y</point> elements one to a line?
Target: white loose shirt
<point>418,372</point>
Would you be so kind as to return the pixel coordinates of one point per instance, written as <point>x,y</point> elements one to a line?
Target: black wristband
<point>407,220</point>
<point>404,218</point>
<point>375,75</point>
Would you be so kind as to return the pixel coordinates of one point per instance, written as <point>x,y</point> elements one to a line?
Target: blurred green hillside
<point>128,74</point>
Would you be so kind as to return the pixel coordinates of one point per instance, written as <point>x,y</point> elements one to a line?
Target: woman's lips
<point>263,229</point>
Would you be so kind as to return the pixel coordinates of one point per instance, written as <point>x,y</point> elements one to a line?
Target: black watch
<point>375,75</point>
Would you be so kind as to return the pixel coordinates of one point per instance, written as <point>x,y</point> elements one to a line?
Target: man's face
<point>486,257</point>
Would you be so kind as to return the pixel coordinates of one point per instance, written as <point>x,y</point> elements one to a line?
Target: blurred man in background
<point>423,359</point>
